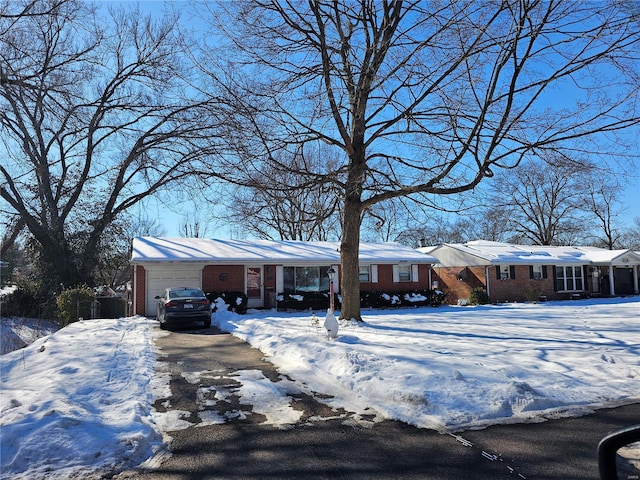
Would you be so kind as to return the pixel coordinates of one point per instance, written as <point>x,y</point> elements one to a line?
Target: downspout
<point>635,279</point>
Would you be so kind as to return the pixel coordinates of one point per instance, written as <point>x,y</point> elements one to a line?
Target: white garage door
<point>159,279</point>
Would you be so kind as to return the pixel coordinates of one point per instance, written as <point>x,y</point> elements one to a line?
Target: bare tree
<point>194,225</point>
<point>631,237</point>
<point>419,96</point>
<point>289,204</point>
<point>544,201</point>
<point>601,201</point>
<point>94,119</point>
<point>114,267</point>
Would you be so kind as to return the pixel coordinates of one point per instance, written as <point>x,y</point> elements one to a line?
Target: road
<point>326,444</point>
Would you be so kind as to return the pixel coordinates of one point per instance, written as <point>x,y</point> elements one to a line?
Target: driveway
<point>323,443</point>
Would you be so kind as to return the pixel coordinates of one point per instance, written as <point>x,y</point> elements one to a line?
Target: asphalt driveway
<point>327,444</point>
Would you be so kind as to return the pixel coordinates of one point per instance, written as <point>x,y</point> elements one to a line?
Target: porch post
<point>635,279</point>
<point>612,288</point>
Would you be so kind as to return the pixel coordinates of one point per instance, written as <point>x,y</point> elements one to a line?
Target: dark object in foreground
<point>608,448</point>
<point>183,304</point>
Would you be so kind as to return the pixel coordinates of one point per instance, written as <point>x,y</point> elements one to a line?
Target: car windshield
<point>185,293</point>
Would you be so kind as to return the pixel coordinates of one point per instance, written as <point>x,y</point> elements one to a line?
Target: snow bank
<point>79,401</point>
<point>16,333</point>
<point>454,368</point>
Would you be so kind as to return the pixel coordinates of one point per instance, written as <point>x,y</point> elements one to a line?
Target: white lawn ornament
<point>331,324</point>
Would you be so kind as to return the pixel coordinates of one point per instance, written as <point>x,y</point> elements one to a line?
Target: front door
<point>624,280</point>
<point>254,287</point>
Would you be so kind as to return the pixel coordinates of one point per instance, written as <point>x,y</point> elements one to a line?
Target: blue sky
<point>629,197</point>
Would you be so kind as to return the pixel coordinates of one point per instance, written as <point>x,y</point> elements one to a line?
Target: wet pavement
<point>324,443</point>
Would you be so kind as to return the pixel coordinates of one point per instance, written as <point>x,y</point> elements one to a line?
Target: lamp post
<point>331,273</point>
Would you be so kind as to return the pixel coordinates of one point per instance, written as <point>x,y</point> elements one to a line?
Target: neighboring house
<point>262,269</point>
<point>516,273</point>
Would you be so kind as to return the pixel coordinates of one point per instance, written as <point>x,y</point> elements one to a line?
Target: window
<point>404,273</point>
<point>569,279</point>
<point>536,272</point>
<point>505,272</point>
<point>305,279</point>
<point>364,273</point>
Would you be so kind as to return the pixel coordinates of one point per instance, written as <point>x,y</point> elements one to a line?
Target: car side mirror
<point>157,297</point>
<point>608,453</point>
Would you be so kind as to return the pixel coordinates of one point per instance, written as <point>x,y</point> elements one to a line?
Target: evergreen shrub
<point>478,296</point>
<point>236,301</point>
<point>74,303</point>
<point>22,302</point>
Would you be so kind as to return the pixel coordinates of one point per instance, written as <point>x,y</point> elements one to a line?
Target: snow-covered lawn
<point>80,400</point>
<point>462,367</point>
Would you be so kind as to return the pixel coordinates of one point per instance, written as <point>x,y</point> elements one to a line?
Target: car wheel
<point>207,322</point>
<point>163,321</point>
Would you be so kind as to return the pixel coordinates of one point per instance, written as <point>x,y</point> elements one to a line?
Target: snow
<point>80,401</point>
<point>455,368</point>
<point>507,253</point>
<point>159,249</point>
<point>17,333</point>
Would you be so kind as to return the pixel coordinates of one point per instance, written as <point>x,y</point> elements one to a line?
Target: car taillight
<point>203,302</point>
<point>171,303</point>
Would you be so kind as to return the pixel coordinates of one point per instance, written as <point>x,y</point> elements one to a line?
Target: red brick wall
<point>521,288</point>
<point>222,278</point>
<point>447,278</point>
<point>138,280</point>
<point>386,283</point>
<point>518,289</point>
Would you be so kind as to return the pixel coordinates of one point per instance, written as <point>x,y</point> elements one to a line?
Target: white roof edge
<point>502,253</point>
<point>148,250</point>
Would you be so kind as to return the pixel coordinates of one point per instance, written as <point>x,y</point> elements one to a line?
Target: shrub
<point>74,303</point>
<point>236,301</point>
<point>411,298</point>
<point>306,300</point>
<point>478,296</point>
<point>21,302</point>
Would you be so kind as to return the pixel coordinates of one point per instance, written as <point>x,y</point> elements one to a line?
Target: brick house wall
<point>522,288</point>
<point>223,278</point>
<point>448,282</point>
<point>139,276</point>
<point>385,281</point>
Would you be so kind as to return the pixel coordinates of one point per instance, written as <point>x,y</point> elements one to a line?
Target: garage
<point>164,276</point>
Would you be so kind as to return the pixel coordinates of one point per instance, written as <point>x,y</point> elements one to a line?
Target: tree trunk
<point>349,258</point>
<point>350,244</point>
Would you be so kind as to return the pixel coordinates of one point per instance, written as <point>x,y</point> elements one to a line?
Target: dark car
<point>183,304</point>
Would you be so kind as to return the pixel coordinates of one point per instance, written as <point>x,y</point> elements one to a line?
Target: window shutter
<point>544,271</point>
<point>497,272</point>
<point>414,273</point>
<point>396,274</point>
<point>512,272</point>
<point>530,272</point>
<point>374,273</point>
